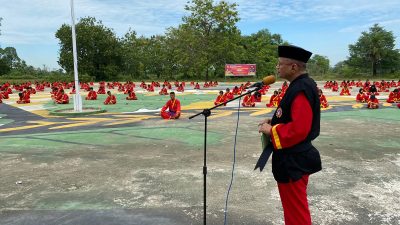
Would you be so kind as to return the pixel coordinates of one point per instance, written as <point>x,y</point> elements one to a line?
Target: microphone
<point>265,81</point>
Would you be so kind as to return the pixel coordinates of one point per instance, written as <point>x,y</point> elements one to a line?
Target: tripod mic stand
<point>206,113</point>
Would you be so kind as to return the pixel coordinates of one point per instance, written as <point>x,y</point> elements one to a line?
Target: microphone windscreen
<point>269,80</point>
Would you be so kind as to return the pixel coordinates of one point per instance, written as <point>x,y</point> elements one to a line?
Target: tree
<point>130,54</point>
<point>98,49</point>
<point>209,25</point>
<point>375,50</point>
<point>318,65</point>
<point>261,49</point>
<point>8,60</point>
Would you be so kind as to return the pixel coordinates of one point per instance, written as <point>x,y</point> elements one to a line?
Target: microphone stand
<point>206,113</point>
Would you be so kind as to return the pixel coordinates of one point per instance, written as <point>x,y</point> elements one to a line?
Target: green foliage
<point>318,65</point>
<point>197,49</point>
<point>8,60</point>
<point>374,52</point>
<point>261,48</point>
<point>212,35</point>
<point>98,49</point>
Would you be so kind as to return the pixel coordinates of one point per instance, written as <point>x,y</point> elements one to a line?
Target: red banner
<point>236,70</point>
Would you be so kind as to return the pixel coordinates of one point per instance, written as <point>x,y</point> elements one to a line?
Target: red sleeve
<point>107,99</point>
<point>178,106</point>
<point>286,135</point>
<point>65,97</point>
<point>165,106</point>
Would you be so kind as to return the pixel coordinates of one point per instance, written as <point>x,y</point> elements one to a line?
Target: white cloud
<point>36,21</point>
<point>316,10</point>
<point>25,21</point>
<point>392,25</point>
<point>37,17</point>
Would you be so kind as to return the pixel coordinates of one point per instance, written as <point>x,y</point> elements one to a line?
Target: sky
<point>324,27</point>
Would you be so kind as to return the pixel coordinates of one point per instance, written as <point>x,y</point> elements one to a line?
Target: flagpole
<point>77,97</point>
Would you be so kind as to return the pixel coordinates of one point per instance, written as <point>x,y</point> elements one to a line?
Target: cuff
<point>275,137</point>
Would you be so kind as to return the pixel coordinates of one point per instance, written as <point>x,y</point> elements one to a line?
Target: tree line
<point>206,40</point>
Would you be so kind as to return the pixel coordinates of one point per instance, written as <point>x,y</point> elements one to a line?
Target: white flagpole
<point>77,97</point>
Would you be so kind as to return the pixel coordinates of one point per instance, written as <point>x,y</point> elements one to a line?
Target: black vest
<point>292,163</point>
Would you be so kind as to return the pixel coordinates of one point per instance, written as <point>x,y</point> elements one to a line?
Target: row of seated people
<point>249,100</point>
<point>370,98</point>
<point>394,96</point>
<point>112,100</point>
<point>367,83</point>
<point>345,91</point>
<point>206,84</point>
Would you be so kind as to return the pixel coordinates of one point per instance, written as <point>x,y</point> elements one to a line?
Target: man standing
<point>296,122</point>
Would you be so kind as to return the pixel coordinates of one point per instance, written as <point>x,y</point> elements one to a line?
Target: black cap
<point>294,52</point>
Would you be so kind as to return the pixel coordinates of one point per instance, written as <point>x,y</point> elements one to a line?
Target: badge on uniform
<point>278,112</point>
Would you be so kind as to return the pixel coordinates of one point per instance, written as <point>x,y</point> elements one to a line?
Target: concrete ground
<point>99,170</point>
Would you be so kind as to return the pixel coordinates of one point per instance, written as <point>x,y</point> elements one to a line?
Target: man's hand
<point>265,128</point>
<point>268,121</point>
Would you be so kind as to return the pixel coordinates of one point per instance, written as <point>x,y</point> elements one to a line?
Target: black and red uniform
<point>295,123</point>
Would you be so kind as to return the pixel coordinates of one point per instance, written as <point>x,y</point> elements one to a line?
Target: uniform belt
<point>262,161</point>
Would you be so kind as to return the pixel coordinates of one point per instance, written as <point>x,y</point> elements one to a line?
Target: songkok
<point>294,52</point>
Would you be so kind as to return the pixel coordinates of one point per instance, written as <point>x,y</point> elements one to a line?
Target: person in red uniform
<point>102,89</point>
<point>111,99</point>
<point>163,91</point>
<point>1,96</point>
<point>73,90</point>
<point>274,100</point>
<point>361,96</point>
<point>284,86</point>
<point>295,123</point>
<point>150,88</point>
<point>5,95</point>
<point>236,91</point>
<point>248,101</point>
<point>228,95</point>
<point>264,89</point>
<point>180,88</point>
<point>220,98</point>
<point>345,90</point>
<point>131,95</point>
<point>62,98</point>
<point>373,102</point>
<point>174,108</point>
<point>257,96</point>
<point>92,95</point>
<point>322,99</point>
<point>394,96</point>
<point>335,86</point>
<point>23,98</point>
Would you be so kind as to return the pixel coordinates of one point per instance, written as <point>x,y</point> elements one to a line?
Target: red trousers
<point>294,202</point>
